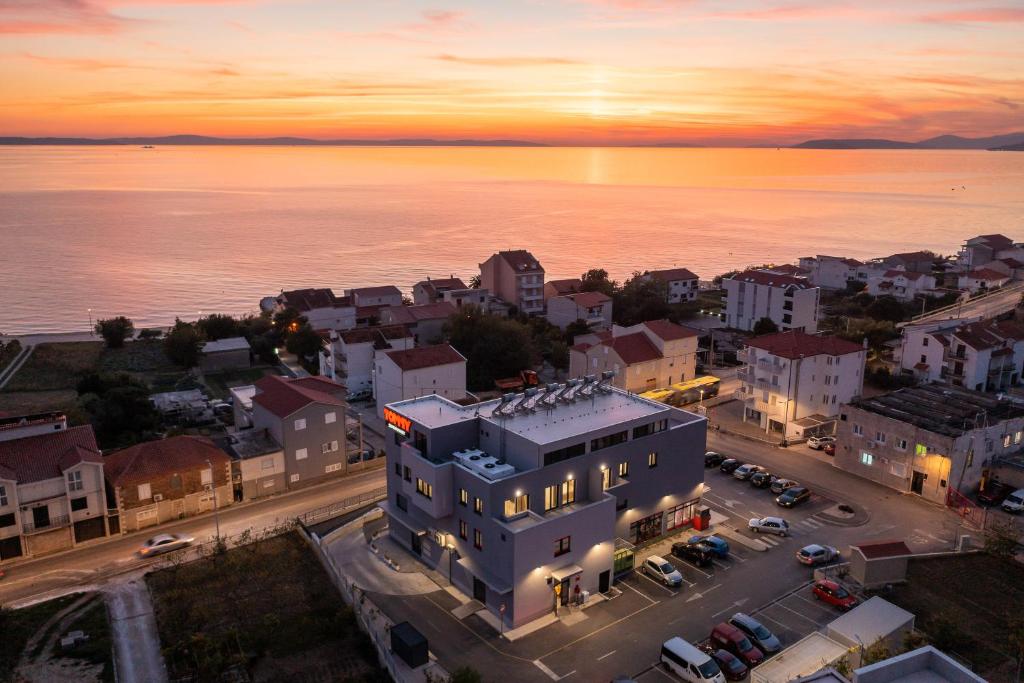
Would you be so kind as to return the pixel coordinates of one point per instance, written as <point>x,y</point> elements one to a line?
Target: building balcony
<point>53,523</point>
<point>745,375</point>
<point>765,364</point>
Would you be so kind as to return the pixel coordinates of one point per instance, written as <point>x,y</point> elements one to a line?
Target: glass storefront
<point>646,528</point>
<point>680,515</point>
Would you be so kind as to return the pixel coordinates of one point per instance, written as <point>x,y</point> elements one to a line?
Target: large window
<point>652,428</point>
<point>478,539</point>
<point>563,545</point>
<point>517,505</point>
<point>145,493</point>
<point>550,497</point>
<point>424,489</point>
<point>463,530</point>
<point>568,491</point>
<point>463,497</point>
<point>680,515</point>
<point>561,454</point>
<point>79,503</point>
<point>866,458</point>
<point>652,459</point>
<point>608,440</point>
<point>75,481</point>
<point>606,479</point>
<point>7,520</point>
<point>623,469</point>
<point>478,505</point>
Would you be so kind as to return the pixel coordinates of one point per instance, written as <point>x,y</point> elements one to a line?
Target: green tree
<point>182,344</point>
<point>765,326</point>
<point>494,347</point>
<point>575,329</point>
<point>118,408</point>
<point>303,342</point>
<point>886,308</point>
<point>218,326</point>
<point>466,674</point>
<point>596,280</point>
<point>560,355</point>
<point>640,299</point>
<point>115,330</point>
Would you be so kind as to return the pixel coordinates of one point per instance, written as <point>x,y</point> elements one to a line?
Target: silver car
<point>744,472</point>
<point>765,640</point>
<point>164,543</point>
<point>769,525</point>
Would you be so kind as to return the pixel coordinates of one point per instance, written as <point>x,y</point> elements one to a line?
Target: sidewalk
<point>133,629</point>
<point>727,416</point>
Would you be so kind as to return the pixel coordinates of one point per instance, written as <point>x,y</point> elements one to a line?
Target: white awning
<point>565,572</point>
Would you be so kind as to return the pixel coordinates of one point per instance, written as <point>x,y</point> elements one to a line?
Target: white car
<point>164,543</point>
<point>769,525</point>
<point>745,472</point>
<point>815,554</point>
<point>819,442</point>
<point>662,570</point>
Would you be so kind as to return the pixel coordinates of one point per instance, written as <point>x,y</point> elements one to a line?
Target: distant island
<point>1008,142</point>
<point>280,141</point>
<point>1019,147</point>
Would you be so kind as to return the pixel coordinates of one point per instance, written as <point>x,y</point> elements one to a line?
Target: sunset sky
<point>557,71</point>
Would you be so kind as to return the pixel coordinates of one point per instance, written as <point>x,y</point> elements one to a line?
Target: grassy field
<point>29,402</point>
<point>146,361</point>
<point>965,605</point>
<point>266,607</point>
<point>220,383</point>
<point>53,367</point>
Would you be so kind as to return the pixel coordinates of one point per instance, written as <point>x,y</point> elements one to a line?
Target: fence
<point>370,618</point>
<point>334,509</point>
<point>969,511</point>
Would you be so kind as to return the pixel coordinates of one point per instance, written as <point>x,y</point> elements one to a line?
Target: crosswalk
<point>809,525</point>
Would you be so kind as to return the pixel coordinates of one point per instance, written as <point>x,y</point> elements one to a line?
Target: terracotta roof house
<point>419,371</point>
<point>593,308</point>
<point>51,486</point>
<point>425,321</point>
<point>517,278</point>
<point>320,306</point>
<point>983,278</point>
<point>681,283</point>
<point>562,287</point>
<point>159,481</point>
<point>918,261</point>
<point>790,302</point>
<point>651,355</point>
<point>431,291</point>
<point>348,356</point>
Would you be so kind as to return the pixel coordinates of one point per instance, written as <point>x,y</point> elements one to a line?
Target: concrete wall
<point>391,384</point>
<point>263,475</point>
<point>748,302</point>
<point>878,572</point>
<point>317,432</point>
<point>225,360</point>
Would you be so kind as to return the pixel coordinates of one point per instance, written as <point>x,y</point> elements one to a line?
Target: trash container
<point>703,518</point>
<point>409,644</point>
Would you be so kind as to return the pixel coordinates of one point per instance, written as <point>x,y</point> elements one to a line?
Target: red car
<point>830,449</point>
<point>834,594</point>
<point>729,638</point>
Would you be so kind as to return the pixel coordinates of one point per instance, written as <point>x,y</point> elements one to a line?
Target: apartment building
<point>681,284</point>
<point>320,307</point>
<point>927,439</point>
<point>650,355</point>
<point>795,384</point>
<point>517,278</point>
<point>790,302</point>
<point>904,285</point>
<point>593,308</point>
<point>160,481</point>
<point>432,291</point>
<point>523,500</point>
<point>913,261</point>
<point>51,485</point>
<point>986,355</point>
<point>571,285</point>
<point>425,321</point>
<point>979,252</point>
<point>347,357</point>
<point>306,417</point>
<point>830,272</point>
<point>420,371</point>
<point>982,279</point>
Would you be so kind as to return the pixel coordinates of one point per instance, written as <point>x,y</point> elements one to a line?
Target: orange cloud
<point>506,61</point>
<point>988,15</point>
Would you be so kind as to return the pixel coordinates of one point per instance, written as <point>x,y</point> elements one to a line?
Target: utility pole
<point>216,511</point>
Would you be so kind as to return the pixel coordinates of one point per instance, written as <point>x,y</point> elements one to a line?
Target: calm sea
<point>165,232</point>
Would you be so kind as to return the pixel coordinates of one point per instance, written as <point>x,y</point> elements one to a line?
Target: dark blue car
<point>718,546</point>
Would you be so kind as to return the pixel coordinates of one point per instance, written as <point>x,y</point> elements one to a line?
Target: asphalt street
<point>623,636</point>
<point>92,564</point>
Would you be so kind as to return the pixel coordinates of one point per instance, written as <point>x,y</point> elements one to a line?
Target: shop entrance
<point>917,483</point>
<point>645,529</point>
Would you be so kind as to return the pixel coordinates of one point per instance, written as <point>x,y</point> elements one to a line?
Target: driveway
<point>134,632</point>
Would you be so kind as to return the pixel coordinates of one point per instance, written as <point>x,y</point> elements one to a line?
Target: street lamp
<point>451,551</point>
<point>213,490</point>
<point>92,332</point>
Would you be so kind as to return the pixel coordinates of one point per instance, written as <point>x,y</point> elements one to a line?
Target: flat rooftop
<point>940,409</point>
<point>547,422</point>
<point>251,443</point>
<point>229,344</point>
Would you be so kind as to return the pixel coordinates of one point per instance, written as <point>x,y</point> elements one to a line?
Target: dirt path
<point>134,632</point>
<point>46,667</point>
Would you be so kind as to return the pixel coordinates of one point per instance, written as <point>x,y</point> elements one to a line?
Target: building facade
<point>52,495</point>
<point>432,291</point>
<point>986,355</point>
<point>420,371</point>
<point>830,272</point>
<point>904,285</point>
<point>347,357</point>
<point>790,302</point>
<point>681,284</point>
<point>425,321</point>
<point>517,278</point>
<point>650,355</point>
<point>925,440</point>
<point>225,354</point>
<point>593,308</point>
<point>522,501</point>
<point>795,384</point>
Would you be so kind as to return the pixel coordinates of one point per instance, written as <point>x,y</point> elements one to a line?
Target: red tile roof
<point>521,261</point>
<point>794,344</point>
<point>410,315</point>
<point>881,549</point>
<point>425,357</point>
<point>568,286</point>
<point>174,455</point>
<point>669,331</point>
<point>383,290</point>
<point>911,257</point>
<point>905,273</point>
<point>282,396</point>
<point>367,335</point>
<point>433,286</point>
<point>589,299</point>
<point>673,274</point>
<point>323,384</point>
<point>634,348</point>
<point>987,274</point>
<point>1012,262</point>
<point>996,241</point>
<point>761,277</point>
<point>305,300</point>
<point>787,269</point>
<point>46,456</point>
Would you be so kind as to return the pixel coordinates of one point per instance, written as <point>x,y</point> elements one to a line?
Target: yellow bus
<point>660,395</point>
<point>696,390</point>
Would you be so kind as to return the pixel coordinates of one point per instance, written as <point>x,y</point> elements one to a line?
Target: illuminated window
<point>1006,440</point>
<point>478,539</point>
<point>550,497</point>
<point>478,506</point>
<point>517,505</point>
<point>606,479</point>
<point>623,469</point>
<point>866,458</point>
<point>463,497</point>
<point>424,489</point>
<point>463,530</point>
<point>652,459</point>
<point>920,449</point>
<point>568,491</point>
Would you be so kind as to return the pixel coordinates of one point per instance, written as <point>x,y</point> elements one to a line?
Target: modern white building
<point>904,285</point>
<point>830,272</point>
<point>320,307</point>
<point>593,308</point>
<point>982,279</point>
<point>517,278</point>
<point>431,291</point>
<point>650,355</point>
<point>347,357</point>
<point>794,383</point>
<point>986,355</point>
<point>790,302</point>
<point>419,371</point>
<point>521,500</point>
<point>681,283</point>
<point>425,321</point>
<point>978,252</point>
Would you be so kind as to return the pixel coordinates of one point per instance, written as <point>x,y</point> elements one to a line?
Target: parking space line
<point>802,616</point>
<point>666,588</point>
<point>645,597</point>
<point>762,615</point>
<point>694,567</point>
<point>657,667</point>
<point>607,654</point>
<point>720,565</point>
<point>814,603</point>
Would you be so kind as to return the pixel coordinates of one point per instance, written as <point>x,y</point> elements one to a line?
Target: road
<point>622,636</point>
<point>984,307</point>
<point>93,564</point>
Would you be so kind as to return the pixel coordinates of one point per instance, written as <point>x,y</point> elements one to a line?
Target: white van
<point>1014,502</point>
<point>689,663</point>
